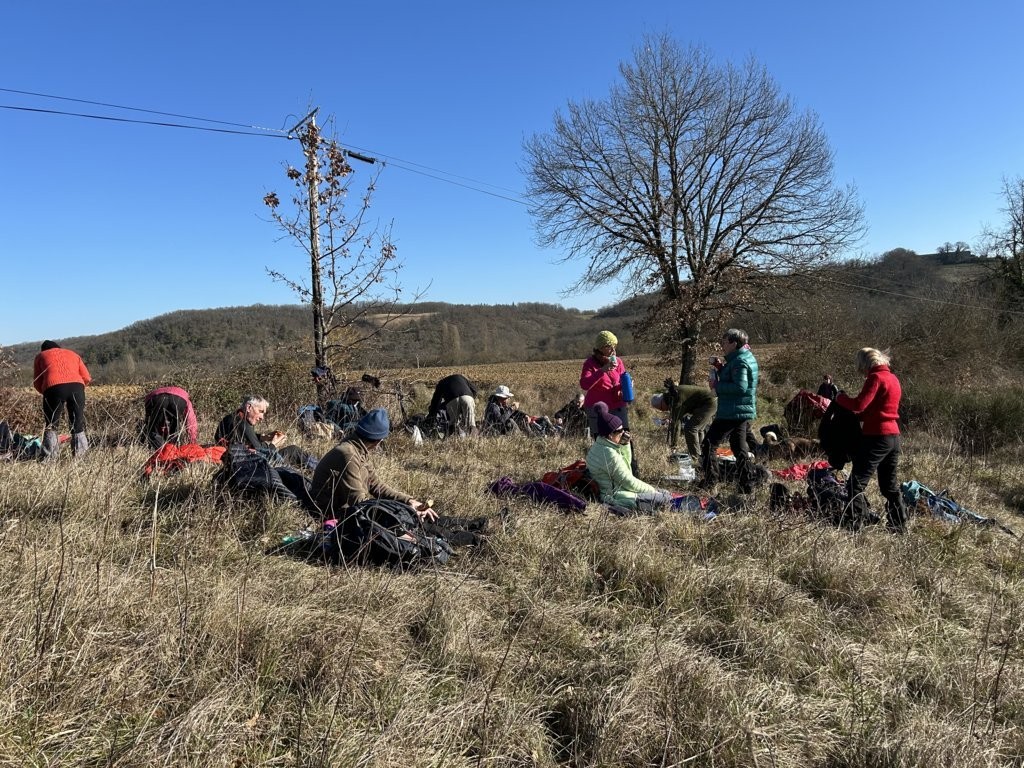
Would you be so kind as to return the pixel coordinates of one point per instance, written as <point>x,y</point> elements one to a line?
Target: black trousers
<point>736,430</point>
<point>165,420</point>
<point>881,454</point>
<point>72,397</point>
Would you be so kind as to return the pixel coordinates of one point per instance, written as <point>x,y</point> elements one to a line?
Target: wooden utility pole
<point>311,146</point>
<point>310,139</point>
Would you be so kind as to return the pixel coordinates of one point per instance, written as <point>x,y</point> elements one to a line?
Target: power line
<point>460,184</point>
<point>138,109</point>
<point>142,122</point>
<point>435,170</point>
<point>405,165</point>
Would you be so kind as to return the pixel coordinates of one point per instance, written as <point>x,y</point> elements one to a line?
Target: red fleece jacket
<point>878,403</point>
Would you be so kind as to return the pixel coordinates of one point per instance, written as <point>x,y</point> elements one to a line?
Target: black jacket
<point>447,389</point>
<point>839,433</point>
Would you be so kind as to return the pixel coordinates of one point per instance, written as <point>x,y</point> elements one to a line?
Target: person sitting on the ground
<point>691,407</point>
<point>170,418</point>
<point>345,476</point>
<point>238,427</point>
<point>499,415</point>
<point>571,419</point>
<point>503,416</point>
<point>456,395</point>
<point>608,462</point>
<point>828,388</point>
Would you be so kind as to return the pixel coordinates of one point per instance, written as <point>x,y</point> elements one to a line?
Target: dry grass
<point>143,625</point>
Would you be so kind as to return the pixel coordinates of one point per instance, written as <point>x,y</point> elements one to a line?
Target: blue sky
<point>103,223</point>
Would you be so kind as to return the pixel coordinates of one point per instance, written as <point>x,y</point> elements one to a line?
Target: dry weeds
<point>143,625</point>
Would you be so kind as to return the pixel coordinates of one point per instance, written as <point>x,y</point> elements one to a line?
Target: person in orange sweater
<point>60,376</point>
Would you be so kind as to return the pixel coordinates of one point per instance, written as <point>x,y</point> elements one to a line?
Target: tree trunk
<point>691,340</point>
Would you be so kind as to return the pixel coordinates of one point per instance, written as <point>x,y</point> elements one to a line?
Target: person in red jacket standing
<point>877,407</point>
<point>61,377</point>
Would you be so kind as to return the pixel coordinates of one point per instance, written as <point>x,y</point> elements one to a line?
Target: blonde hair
<point>869,357</point>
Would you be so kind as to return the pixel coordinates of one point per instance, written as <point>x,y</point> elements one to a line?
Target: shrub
<point>979,421</point>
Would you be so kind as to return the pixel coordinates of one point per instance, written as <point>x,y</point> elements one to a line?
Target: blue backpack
<point>942,507</point>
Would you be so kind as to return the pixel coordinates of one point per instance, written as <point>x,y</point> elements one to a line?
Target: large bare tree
<point>692,179</point>
<point>353,287</point>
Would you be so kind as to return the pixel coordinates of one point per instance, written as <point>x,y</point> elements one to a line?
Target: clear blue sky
<point>103,223</point>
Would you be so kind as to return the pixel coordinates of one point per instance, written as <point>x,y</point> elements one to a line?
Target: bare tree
<point>353,286</point>
<point>1006,244</point>
<point>692,179</point>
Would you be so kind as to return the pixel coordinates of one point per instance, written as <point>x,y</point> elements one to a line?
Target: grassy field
<point>144,625</point>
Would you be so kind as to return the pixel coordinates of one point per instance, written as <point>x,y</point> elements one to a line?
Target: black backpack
<point>384,532</point>
<point>829,500</point>
<point>249,472</point>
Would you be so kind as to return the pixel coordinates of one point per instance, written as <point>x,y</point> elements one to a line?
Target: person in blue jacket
<point>737,407</point>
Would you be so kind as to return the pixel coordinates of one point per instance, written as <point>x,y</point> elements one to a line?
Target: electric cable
<point>138,109</point>
<point>143,122</point>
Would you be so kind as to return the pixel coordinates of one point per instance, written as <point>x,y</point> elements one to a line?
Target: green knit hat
<point>606,338</point>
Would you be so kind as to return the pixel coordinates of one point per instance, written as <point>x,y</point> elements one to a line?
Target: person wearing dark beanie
<point>608,462</point>
<point>61,377</point>
<point>345,476</point>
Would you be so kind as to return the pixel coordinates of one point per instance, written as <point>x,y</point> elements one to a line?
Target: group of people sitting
<point>454,403</point>
<point>707,416</point>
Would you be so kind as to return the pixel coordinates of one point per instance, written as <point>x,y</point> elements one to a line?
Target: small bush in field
<point>980,421</point>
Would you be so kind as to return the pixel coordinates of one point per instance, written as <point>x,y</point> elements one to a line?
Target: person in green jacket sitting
<point>737,407</point>
<point>608,463</point>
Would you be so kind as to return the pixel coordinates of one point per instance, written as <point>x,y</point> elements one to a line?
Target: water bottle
<point>626,382</point>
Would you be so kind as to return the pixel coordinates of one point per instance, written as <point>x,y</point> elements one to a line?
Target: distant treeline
<point>941,320</point>
<point>432,333</point>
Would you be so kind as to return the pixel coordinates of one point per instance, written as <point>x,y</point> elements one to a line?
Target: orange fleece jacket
<point>58,366</point>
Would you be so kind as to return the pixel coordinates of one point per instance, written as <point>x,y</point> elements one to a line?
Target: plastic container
<point>686,473</point>
<point>626,383</point>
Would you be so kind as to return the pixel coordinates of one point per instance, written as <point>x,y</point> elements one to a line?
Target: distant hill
<point>430,334</point>
<point>439,334</point>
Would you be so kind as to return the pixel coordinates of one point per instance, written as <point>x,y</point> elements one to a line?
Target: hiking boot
<point>79,443</point>
<point>51,445</point>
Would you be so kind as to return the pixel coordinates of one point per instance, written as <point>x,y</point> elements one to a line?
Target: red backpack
<point>576,479</point>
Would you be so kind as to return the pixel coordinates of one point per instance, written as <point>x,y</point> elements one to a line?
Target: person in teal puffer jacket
<point>737,407</point>
<point>608,463</point>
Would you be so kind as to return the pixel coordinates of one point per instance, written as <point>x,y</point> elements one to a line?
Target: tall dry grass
<point>144,625</point>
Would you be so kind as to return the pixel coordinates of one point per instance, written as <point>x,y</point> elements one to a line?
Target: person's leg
<point>717,432</point>
<point>452,409</point>
<point>741,450</point>
<point>651,501</point>
<point>469,407</point>
<point>53,401</point>
<point>870,453</point>
<point>76,417</point>
<point>889,485</point>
